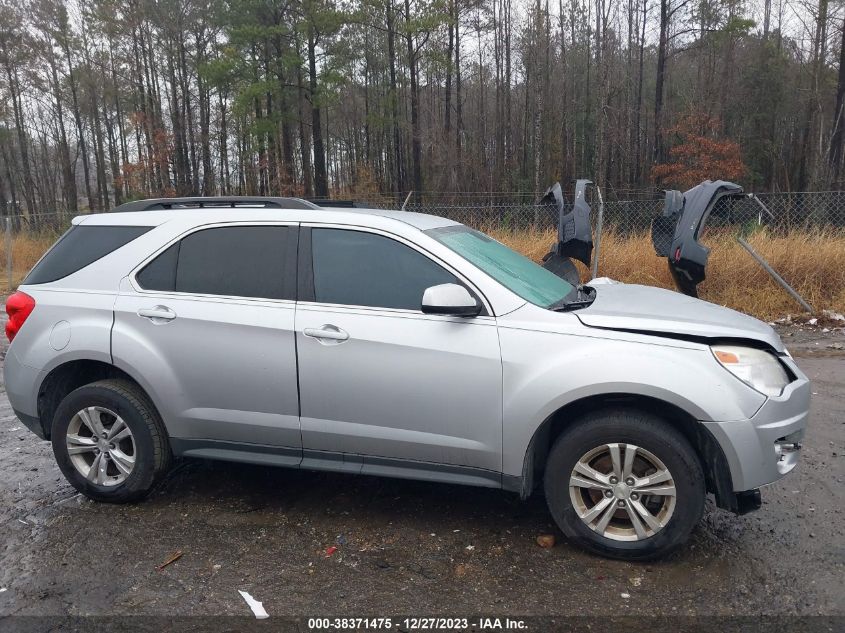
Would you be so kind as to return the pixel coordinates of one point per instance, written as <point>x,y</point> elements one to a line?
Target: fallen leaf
<point>172,559</point>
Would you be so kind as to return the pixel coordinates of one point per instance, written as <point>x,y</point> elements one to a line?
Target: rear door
<point>392,389</point>
<point>209,323</point>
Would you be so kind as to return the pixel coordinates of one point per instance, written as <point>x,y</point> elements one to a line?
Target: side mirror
<point>450,299</point>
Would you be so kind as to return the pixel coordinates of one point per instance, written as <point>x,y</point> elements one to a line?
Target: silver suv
<point>272,331</point>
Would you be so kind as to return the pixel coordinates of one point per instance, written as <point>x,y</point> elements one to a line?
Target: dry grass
<point>813,263</point>
<point>26,250</point>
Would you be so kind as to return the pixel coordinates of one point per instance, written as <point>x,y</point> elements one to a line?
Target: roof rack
<point>346,204</point>
<point>158,204</point>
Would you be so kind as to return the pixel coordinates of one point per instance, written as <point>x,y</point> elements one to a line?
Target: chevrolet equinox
<point>272,331</point>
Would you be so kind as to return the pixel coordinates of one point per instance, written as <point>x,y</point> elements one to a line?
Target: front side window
<point>235,261</point>
<point>514,271</point>
<point>365,269</point>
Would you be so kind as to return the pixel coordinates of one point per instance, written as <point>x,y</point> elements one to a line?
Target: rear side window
<point>160,274</point>
<point>364,269</point>
<point>236,261</point>
<point>80,246</point>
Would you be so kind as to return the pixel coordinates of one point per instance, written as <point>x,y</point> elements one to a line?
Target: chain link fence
<point>780,212</point>
<point>26,236</point>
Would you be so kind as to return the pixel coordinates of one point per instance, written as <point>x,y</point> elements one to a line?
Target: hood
<point>646,309</point>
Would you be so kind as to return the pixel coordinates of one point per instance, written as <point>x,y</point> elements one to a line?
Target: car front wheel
<point>625,484</point>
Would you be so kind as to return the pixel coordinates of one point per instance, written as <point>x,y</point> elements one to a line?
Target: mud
<point>407,547</point>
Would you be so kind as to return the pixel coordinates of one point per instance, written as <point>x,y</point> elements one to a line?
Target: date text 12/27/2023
<point>418,624</point>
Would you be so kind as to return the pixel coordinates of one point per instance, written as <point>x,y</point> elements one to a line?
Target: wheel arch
<point>710,455</point>
<point>70,375</point>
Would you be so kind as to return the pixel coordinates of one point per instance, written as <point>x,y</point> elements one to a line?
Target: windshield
<point>514,271</point>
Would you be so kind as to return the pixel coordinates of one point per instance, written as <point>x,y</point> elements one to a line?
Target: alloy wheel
<point>101,446</point>
<point>623,492</point>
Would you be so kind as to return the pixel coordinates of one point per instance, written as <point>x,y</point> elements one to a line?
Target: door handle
<point>158,314</point>
<point>327,332</point>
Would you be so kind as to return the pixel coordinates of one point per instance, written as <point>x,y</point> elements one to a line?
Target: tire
<point>588,444</point>
<point>132,463</point>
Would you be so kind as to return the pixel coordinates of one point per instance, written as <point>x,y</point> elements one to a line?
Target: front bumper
<point>767,446</point>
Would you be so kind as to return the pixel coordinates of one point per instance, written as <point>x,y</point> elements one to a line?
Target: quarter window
<point>236,261</point>
<point>365,269</point>
<point>79,247</point>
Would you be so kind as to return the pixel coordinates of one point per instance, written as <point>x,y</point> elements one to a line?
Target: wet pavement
<point>407,547</point>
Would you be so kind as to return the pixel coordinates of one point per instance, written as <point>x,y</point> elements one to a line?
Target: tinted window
<point>237,261</point>
<point>356,268</point>
<point>79,247</point>
<point>160,274</point>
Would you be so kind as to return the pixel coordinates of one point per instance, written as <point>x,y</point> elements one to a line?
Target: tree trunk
<point>321,184</point>
<point>639,107</point>
<point>662,46</point>
<point>304,145</point>
<point>416,141</point>
<point>23,142</point>
<point>68,173</point>
<point>447,125</point>
<point>835,154</point>
<point>398,184</point>
<point>459,120</point>
<point>77,117</point>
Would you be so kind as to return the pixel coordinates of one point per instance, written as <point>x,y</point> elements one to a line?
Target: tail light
<point>19,306</point>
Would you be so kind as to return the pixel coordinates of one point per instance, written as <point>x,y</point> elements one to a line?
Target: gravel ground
<point>407,547</point>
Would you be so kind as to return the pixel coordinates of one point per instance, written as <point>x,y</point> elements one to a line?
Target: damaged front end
<point>574,232</point>
<point>676,232</point>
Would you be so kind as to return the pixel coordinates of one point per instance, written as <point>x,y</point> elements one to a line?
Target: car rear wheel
<point>625,484</point>
<point>109,441</point>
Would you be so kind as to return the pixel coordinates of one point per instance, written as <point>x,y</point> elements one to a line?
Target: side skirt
<point>340,462</point>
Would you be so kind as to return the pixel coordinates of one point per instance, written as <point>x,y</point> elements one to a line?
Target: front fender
<point>545,371</point>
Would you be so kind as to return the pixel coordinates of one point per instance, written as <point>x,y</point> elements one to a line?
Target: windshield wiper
<point>572,305</point>
<point>579,297</point>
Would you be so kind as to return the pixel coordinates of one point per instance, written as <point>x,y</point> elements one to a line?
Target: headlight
<point>757,368</point>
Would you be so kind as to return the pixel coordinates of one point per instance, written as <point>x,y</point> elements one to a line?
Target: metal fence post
<point>763,207</point>
<point>405,204</point>
<point>773,274</point>
<point>599,222</point>
<point>9,251</point>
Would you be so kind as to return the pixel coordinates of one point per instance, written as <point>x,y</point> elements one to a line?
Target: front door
<point>381,380</point>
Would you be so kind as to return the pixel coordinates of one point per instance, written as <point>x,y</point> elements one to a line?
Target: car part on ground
<point>574,233</point>
<point>676,232</point>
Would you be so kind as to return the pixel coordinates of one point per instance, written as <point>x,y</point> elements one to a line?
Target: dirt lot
<point>406,547</point>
